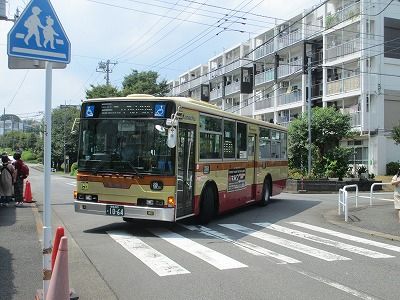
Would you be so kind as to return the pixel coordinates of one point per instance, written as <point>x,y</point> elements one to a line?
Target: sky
<point>166,36</point>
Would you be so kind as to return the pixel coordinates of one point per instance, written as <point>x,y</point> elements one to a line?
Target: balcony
<point>233,109</point>
<point>265,103</point>
<point>232,88</point>
<point>290,68</point>
<point>198,81</point>
<point>317,90</point>
<point>233,65</point>
<point>215,94</point>
<point>355,120</point>
<point>183,87</point>
<point>346,13</point>
<point>289,39</point>
<point>341,50</point>
<point>287,98</point>
<point>216,73</point>
<point>264,50</point>
<point>265,76</point>
<point>343,85</point>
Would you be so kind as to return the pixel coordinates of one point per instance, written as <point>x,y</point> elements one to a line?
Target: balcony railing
<point>232,65</point>
<point>265,103</point>
<point>289,39</point>
<point>290,68</point>
<point>198,81</point>
<point>233,109</point>
<point>287,98</point>
<point>343,15</point>
<point>232,88</point>
<point>264,50</point>
<point>215,94</point>
<point>343,85</point>
<point>264,77</point>
<point>247,110</point>
<point>183,87</point>
<point>216,73</point>
<point>355,119</point>
<point>341,50</point>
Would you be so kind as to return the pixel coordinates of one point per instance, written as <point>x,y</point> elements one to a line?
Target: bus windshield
<point>125,146</point>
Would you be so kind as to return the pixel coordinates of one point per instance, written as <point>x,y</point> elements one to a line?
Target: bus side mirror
<point>171,140</point>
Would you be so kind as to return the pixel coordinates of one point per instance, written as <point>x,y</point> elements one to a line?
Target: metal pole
<point>309,113</point>
<point>47,236</point>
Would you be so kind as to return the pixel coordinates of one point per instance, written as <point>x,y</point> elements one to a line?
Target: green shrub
<point>392,168</point>
<point>28,155</point>
<point>295,174</point>
<point>74,169</point>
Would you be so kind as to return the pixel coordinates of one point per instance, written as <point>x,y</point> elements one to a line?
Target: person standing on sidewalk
<point>7,179</point>
<point>19,182</point>
<point>396,184</point>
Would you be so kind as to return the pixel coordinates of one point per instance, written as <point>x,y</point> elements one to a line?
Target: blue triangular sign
<point>38,34</point>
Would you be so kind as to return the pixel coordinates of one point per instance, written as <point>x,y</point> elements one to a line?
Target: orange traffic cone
<point>59,235</point>
<point>59,282</point>
<point>28,192</point>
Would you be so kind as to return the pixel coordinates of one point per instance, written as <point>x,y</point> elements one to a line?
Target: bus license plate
<point>115,210</point>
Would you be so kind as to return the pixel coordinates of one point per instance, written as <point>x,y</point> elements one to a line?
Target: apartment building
<point>353,47</point>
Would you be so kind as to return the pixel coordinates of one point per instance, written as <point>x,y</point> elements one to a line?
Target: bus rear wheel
<point>266,195</point>
<point>207,205</point>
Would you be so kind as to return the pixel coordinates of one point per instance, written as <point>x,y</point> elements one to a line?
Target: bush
<point>392,168</point>
<point>28,155</point>
<point>74,169</point>
<point>295,174</point>
<point>362,169</point>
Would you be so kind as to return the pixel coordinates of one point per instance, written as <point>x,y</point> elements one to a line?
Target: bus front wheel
<point>207,205</point>
<point>266,194</point>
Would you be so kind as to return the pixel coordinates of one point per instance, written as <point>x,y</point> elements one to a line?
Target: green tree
<point>144,83</point>
<point>102,91</point>
<point>328,127</point>
<point>396,134</point>
<point>63,139</point>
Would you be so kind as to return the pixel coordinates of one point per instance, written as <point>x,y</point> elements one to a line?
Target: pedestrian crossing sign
<point>38,34</point>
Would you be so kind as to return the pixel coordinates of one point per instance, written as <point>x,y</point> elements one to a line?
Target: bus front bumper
<point>132,212</point>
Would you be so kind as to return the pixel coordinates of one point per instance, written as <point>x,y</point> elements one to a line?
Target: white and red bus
<point>166,158</point>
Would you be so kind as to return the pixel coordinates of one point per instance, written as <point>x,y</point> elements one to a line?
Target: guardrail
<point>343,202</point>
<point>372,191</point>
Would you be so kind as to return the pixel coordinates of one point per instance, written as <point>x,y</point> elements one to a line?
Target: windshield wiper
<point>134,169</point>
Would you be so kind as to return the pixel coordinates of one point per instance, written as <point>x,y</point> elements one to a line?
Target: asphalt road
<point>239,255</point>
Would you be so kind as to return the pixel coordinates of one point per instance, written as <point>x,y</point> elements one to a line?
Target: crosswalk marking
<point>321,254</point>
<point>321,240</point>
<point>347,236</point>
<point>155,260</point>
<point>246,246</point>
<point>208,255</point>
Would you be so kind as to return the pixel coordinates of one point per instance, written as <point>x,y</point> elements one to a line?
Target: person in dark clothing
<point>19,182</point>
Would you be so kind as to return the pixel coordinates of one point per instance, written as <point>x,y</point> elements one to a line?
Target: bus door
<point>251,146</point>
<point>186,169</point>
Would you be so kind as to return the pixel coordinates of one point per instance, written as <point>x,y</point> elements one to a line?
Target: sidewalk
<point>20,253</point>
<point>380,219</point>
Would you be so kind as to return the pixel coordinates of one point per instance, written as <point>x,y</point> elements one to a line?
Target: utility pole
<point>104,67</point>
<point>309,112</point>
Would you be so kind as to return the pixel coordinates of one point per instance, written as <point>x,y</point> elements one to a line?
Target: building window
<point>391,39</point>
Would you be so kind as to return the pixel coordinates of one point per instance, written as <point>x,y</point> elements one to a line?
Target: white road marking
<point>347,236</point>
<point>158,262</point>
<point>337,285</point>
<point>245,246</point>
<point>71,183</point>
<point>321,240</point>
<point>208,255</point>
<point>321,254</point>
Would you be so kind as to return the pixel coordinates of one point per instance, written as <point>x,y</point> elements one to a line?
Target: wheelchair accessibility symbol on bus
<point>159,110</point>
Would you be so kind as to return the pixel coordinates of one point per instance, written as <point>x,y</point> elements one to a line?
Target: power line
<point>104,67</point>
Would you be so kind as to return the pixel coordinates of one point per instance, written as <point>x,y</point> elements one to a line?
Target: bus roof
<point>190,103</point>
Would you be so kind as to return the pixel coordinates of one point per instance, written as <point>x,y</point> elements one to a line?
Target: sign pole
<point>47,234</point>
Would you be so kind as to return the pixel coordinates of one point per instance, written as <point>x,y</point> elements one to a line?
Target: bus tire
<point>207,205</point>
<point>266,193</point>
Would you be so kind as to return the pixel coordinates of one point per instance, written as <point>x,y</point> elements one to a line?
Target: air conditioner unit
<point>283,84</point>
